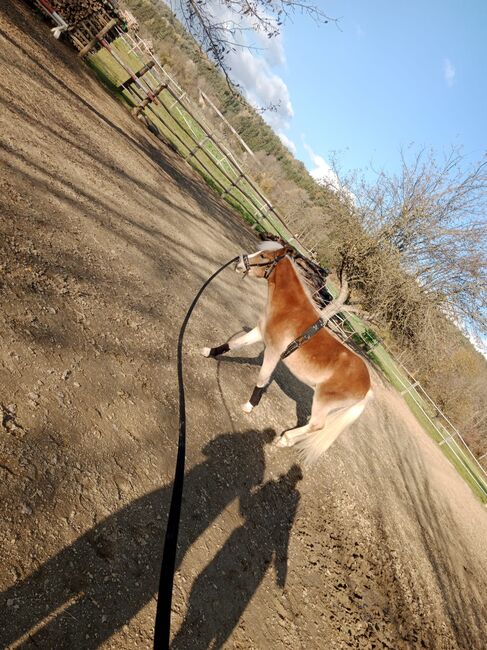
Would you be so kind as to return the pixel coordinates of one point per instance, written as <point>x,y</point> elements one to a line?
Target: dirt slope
<point>105,236</point>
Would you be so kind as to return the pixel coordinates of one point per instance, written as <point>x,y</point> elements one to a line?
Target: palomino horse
<point>292,330</point>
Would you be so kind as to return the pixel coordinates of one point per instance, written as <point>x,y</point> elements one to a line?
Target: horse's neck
<point>286,288</point>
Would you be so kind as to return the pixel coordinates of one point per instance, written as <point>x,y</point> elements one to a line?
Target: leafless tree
<point>222,26</point>
<point>430,221</point>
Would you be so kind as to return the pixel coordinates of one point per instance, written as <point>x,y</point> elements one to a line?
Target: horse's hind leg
<point>322,405</point>
<point>254,336</point>
<point>291,437</point>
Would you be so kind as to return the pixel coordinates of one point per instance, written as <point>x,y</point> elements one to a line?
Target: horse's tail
<point>316,443</point>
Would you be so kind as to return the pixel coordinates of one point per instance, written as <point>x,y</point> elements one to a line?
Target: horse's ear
<point>289,250</point>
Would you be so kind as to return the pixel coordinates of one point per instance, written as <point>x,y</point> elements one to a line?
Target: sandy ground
<point>105,237</point>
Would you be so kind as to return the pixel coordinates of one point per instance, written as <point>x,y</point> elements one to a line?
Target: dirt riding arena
<point>105,237</point>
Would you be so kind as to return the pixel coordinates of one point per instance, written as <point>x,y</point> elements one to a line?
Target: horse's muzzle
<point>242,266</point>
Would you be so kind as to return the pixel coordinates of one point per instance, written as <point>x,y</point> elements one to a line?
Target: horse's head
<point>261,263</point>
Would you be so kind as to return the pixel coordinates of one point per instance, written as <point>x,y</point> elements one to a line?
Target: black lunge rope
<point>163,615</point>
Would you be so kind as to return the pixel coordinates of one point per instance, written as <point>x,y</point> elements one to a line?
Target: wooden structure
<point>85,22</point>
<point>86,34</point>
<point>74,11</point>
<point>130,20</point>
<point>231,180</point>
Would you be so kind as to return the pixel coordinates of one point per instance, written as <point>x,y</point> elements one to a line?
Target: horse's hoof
<point>282,441</point>
<point>247,407</point>
<point>205,352</point>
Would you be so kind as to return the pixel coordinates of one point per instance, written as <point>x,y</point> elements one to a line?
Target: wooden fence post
<point>232,185</point>
<point>97,38</point>
<point>198,146</point>
<point>139,73</point>
<point>151,96</point>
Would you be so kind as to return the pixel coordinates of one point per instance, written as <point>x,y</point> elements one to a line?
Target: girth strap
<point>298,342</point>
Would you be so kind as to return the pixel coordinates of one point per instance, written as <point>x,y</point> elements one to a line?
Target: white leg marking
<point>267,368</point>
<point>247,407</point>
<point>254,336</point>
<point>291,437</point>
<point>205,352</point>
<point>282,441</point>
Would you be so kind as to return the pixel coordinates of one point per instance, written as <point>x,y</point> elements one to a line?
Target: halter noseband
<point>270,264</point>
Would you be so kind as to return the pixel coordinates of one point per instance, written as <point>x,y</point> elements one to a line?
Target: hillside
<point>180,54</point>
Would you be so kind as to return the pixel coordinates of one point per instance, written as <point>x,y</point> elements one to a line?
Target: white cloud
<point>271,48</point>
<point>359,32</point>
<point>322,172</point>
<point>478,341</point>
<point>251,65</point>
<point>287,142</point>
<point>262,87</point>
<point>449,72</point>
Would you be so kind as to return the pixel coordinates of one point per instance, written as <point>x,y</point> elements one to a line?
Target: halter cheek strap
<point>272,265</point>
<point>244,259</point>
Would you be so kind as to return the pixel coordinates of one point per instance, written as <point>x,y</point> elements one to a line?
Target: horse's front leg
<point>254,336</point>
<point>271,359</point>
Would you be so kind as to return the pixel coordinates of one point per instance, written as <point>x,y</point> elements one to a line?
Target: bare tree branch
<point>221,26</point>
<point>429,221</point>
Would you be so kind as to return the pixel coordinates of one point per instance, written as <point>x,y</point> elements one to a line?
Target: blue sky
<point>391,74</point>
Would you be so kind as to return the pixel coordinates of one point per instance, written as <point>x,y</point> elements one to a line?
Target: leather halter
<point>271,264</point>
<point>307,334</point>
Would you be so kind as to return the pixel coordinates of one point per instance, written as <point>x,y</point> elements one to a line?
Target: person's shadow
<point>224,588</point>
<point>80,597</point>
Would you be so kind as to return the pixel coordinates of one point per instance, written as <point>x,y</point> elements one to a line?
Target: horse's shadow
<point>89,590</point>
<point>292,387</point>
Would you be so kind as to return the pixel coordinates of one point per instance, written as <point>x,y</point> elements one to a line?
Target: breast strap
<point>305,336</point>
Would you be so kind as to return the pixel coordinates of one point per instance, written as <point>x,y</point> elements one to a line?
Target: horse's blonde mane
<point>307,283</point>
<point>269,246</point>
<point>311,280</point>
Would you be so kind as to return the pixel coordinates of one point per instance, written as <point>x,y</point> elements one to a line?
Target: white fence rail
<point>439,422</point>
